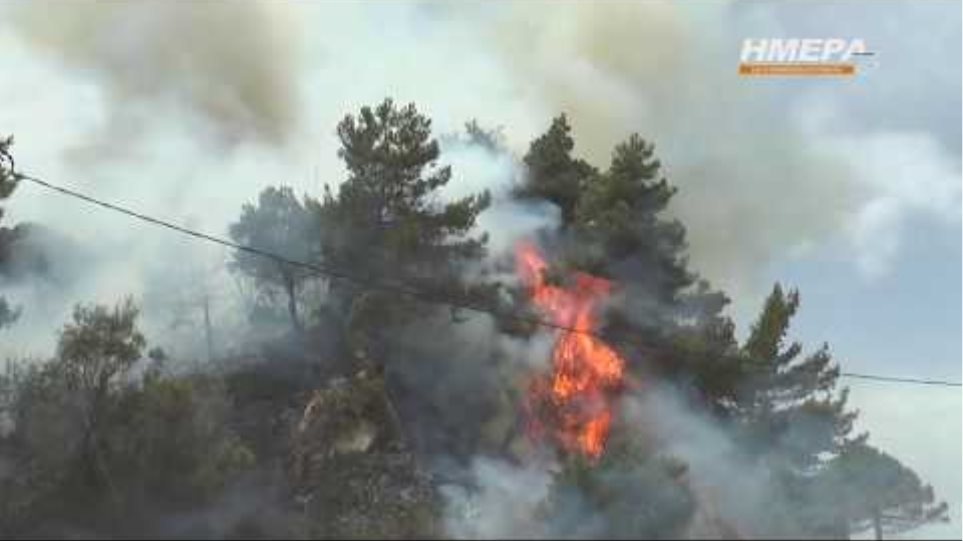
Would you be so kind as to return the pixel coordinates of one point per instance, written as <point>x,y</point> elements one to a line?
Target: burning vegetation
<point>573,404</point>
<point>379,410</point>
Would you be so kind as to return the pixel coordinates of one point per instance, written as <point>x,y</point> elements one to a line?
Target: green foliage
<point>787,405</point>
<point>632,492</point>
<point>100,345</point>
<point>867,488</point>
<point>784,408</point>
<point>168,441</point>
<point>620,207</point>
<point>614,225</point>
<point>93,444</point>
<point>278,224</point>
<point>44,444</point>
<point>389,197</point>
<point>386,224</point>
<point>622,233</point>
<point>790,416</point>
<point>663,318</point>
<point>553,174</point>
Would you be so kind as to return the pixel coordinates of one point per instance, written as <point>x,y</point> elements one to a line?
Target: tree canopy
<point>387,223</point>
<point>103,435</point>
<point>553,173</point>
<point>278,224</point>
<point>868,489</point>
<point>783,409</point>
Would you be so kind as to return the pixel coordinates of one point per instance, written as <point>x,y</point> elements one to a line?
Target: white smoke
<point>507,220</point>
<point>731,492</point>
<point>502,503</point>
<point>177,126</point>
<point>231,64</point>
<point>733,495</point>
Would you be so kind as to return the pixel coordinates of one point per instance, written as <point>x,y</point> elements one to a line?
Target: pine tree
<point>280,224</point>
<point>386,226</point>
<point>552,173</point>
<point>623,234</point>
<point>635,491</point>
<point>667,319</point>
<point>864,488</point>
<point>663,315</point>
<point>790,416</point>
<point>787,406</point>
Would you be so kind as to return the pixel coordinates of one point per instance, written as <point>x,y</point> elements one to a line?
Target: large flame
<point>572,405</point>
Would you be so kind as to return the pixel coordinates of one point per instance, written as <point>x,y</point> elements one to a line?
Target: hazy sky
<point>848,189</point>
<point>905,318</point>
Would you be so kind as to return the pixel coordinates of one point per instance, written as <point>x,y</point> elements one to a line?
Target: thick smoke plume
<point>758,165</point>
<point>234,65</point>
<point>760,175</point>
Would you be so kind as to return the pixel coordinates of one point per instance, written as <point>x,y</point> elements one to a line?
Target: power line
<point>394,288</point>
<point>318,269</point>
<point>893,379</point>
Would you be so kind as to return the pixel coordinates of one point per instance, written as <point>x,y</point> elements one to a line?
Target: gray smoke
<point>733,495</point>
<point>766,169</point>
<point>232,64</point>
<point>502,504</point>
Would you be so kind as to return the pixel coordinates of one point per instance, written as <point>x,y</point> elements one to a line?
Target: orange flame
<point>571,405</point>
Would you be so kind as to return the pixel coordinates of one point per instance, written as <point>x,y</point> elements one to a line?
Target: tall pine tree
<point>615,224</point>
<point>386,224</point>
<point>789,416</point>
<point>788,407</point>
<point>553,174</point>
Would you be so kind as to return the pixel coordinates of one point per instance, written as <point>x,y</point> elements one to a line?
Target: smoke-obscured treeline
<point>354,408</point>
